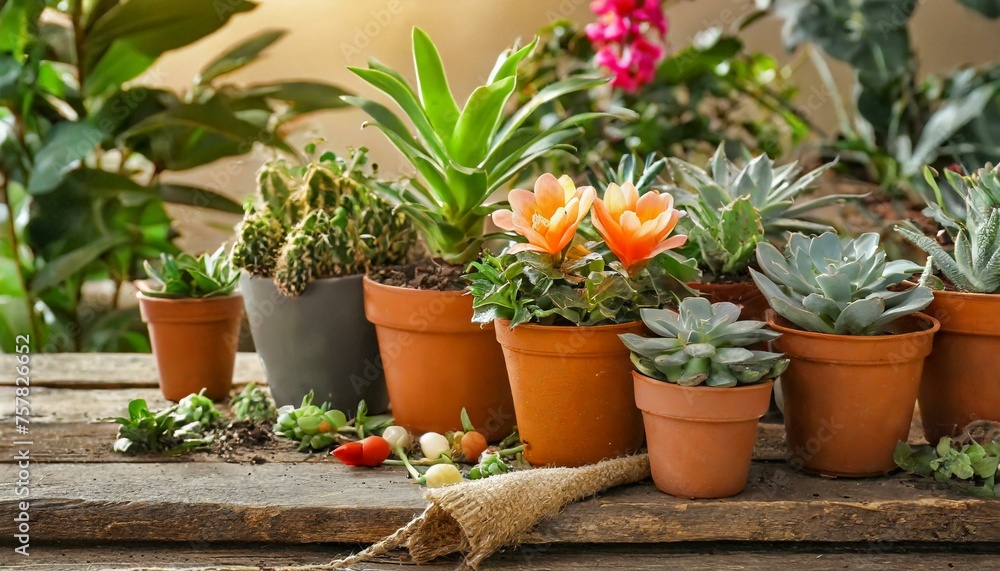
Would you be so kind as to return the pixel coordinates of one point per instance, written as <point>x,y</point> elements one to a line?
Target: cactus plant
<point>828,285</point>
<point>733,208</point>
<point>974,264</point>
<point>319,220</point>
<point>703,343</point>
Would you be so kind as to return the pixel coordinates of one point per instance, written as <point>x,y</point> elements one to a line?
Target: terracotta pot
<point>744,294</point>
<point>961,380</point>
<point>437,361</point>
<point>849,399</point>
<point>318,341</point>
<point>572,391</point>
<point>700,439</point>
<point>194,342</point>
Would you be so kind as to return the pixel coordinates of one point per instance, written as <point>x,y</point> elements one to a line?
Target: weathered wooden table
<point>273,506</point>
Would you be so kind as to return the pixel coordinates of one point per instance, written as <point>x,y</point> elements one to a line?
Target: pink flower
<point>624,36</point>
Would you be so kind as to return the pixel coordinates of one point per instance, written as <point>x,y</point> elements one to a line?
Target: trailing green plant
<point>318,427</point>
<point>971,460</point>
<point>253,404</point>
<point>731,208</point>
<point>320,220</point>
<point>837,286</point>
<point>900,119</point>
<point>973,265</point>
<point>185,276</point>
<point>462,156</point>
<point>85,142</point>
<point>178,429</point>
<point>710,92</point>
<point>704,343</point>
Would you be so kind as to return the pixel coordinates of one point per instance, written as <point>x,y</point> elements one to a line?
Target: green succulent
<point>631,169</point>
<point>969,463</point>
<point>974,264</point>
<point>828,285</point>
<point>320,220</point>
<point>181,428</point>
<point>732,208</point>
<point>185,276</point>
<point>703,343</point>
<point>253,404</point>
<point>463,155</point>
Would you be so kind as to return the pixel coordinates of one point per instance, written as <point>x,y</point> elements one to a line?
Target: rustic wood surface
<point>864,557</point>
<point>279,504</point>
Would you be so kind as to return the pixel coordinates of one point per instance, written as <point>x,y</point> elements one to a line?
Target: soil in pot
<point>961,381</point>
<point>318,341</point>
<point>700,439</point>
<point>849,399</point>
<point>745,294</point>
<point>436,361</point>
<point>194,342</point>
<point>572,391</point>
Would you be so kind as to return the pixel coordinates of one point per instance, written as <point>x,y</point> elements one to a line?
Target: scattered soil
<point>235,441</point>
<point>426,276</point>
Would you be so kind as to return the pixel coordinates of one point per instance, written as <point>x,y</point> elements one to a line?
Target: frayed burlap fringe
<point>480,517</point>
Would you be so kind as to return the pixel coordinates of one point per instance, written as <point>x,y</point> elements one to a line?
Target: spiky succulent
<point>974,264</point>
<point>732,208</point>
<point>631,169</point>
<point>828,285</point>
<point>951,205</point>
<point>319,220</point>
<point>703,343</point>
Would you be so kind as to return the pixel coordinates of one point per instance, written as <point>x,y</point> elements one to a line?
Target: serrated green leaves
<point>185,276</point>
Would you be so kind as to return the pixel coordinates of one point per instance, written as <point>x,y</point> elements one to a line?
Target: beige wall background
<point>325,36</point>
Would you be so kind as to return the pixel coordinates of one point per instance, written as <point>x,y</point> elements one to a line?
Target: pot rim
<point>696,392</point>
<point>368,282</point>
<point>148,298</point>
<point>540,327</point>
<point>962,294</point>
<point>771,315</point>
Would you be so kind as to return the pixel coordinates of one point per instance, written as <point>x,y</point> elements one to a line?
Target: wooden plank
<point>325,502</point>
<point>551,557</point>
<point>109,370</point>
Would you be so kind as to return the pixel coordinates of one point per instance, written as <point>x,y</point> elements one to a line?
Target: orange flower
<point>635,228</point>
<point>548,217</point>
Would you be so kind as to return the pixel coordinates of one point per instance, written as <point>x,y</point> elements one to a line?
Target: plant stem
<point>511,451</point>
<point>76,20</point>
<point>16,254</point>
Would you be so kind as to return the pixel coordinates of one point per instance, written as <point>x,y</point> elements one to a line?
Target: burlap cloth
<point>479,517</point>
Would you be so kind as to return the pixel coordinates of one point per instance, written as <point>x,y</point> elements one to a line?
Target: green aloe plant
<point>828,285</point>
<point>463,155</point>
<point>974,264</point>
<point>703,343</point>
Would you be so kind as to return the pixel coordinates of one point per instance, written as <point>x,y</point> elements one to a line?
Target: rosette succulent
<point>319,220</point>
<point>732,208</point>
<point>837,286</point>
<point>974,263</point>
<point>703,343</point>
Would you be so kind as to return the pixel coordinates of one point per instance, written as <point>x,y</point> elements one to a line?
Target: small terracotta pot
<point>961,380</point>
<point>752,302</point>
<point>194,342</point>
<point>572,391</point>
<point>848,399</point>
<point>436,361</point>
<point>700,439</point>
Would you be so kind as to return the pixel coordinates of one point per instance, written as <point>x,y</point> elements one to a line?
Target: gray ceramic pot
<point>318,341</point>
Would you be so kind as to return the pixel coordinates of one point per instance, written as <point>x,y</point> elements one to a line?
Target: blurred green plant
<point>899,121</point>
<point>711,92</point>
<point>84,143</point>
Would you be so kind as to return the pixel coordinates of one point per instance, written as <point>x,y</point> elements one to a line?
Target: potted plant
<point>194,323</point>
<point>305,244</point>
<point>960,381</point>
<point>731,209</point>
<point>436,360</point>
<point>856,346</point>
<point>701,392</point>
<point>559,306</point>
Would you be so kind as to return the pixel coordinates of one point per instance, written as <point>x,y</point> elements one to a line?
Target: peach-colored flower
<point>636,228</point>
<point>548,217</point>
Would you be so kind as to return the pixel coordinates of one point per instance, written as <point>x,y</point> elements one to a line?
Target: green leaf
<point>56,271</point>
<point>195,196</point>
<point>238,56</point>
<point>301,96</point>
<point>988,8</point>
<point>66,144</point>
<point>435,94</point>
<point>129,37</point>
<point>479,122</point>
